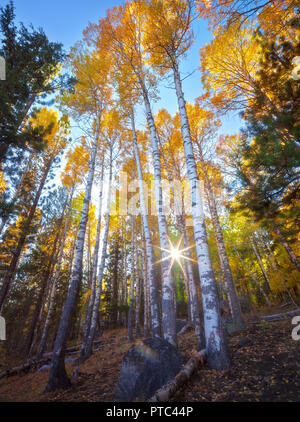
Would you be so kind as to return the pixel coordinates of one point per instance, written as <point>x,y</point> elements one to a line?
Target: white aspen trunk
<point>87,347</point>
<point>217,353</point>
<point>88,247</point>
<point>95,266</point>
<point>195,312</point>
<point>121,286</point>
<point>168,305</point>
<point>189,280</point>
<point>133,270</point>
<point>71,261</point>
<point>137,291</point>
<point>147,314</point>
<point>125,297</point>
<point>46,327</point>
<point>155,324</point>
<point>224,262</point>
<point>58,377</point>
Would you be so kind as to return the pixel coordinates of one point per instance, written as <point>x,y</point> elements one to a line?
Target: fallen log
<point>17,370</point>
<point>285,304</point>
<point>33,363</point>
<point>168,390</point>
<point>185,329</point>
<point>277,317</point>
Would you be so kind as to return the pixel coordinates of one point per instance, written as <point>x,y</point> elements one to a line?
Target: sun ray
<point>189,259</point>
<point>186,249</point>
<point>163,259</point>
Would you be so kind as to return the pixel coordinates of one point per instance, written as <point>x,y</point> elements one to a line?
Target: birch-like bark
<point>123,277</point>
<point>195,312</point>
<point>71,260</point>
<point>189,280</point>
<point>147,314</point>
<point>58,376</point>
<point>168,305</point>
<point>47,323</point>
<point>230,289</point>
<point>132,278</point>
<point>87,347</point>
<point>9,276</point>
<point>137,291</point>
<point>155,318</point>
<point>95,267</point>
<point>124,281</point>
<point>115,288</point>
<point>217,353</point>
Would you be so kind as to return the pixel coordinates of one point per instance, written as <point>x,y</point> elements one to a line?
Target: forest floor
<point>265,368</point>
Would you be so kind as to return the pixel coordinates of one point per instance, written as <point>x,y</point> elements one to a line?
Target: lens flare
<point>175,254</point>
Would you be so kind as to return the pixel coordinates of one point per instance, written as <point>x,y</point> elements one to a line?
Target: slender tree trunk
<point>287,247</point>
<point>71,261</point>
<point>195,312</point>
<point>37,316</point>
<point>9,276</point>
<point>137,292</point>
<point>147,315</point>
<point>58,376</point>
<point>253,277</point>
<point>124,281</point>
<point>275,269</point>
<point>189,280</point>
<point>47,323</point>
<point>217,353</point>
<point>155,317</point>
<point>267,284</point>
<point>229,283</point>
<point>89,253</point>
<point>168,305</point>
<point>95,267</point>
<point>115,288</point>
<point>87,347</point>
<point>132,278</point>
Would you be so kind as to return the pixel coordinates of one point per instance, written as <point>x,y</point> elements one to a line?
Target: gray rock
<point>243,341</point>
<point>231,328</point>
<point>145,368</point>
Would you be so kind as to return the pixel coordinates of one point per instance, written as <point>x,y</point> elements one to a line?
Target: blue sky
<point>64,21</point>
